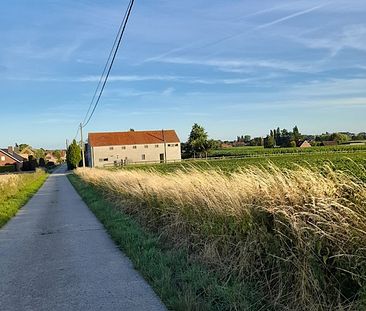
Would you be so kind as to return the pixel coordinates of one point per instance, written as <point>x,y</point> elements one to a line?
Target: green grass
<point>248,151</point>
<point>181,283</point>
<point>12,201</point>
<point>344,161</point>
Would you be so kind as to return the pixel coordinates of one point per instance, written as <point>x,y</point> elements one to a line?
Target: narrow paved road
<point>55,255</point>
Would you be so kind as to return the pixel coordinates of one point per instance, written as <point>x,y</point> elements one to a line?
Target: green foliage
<point>42,162</point>
<point>57,155</point>
<point>39,153</point>
<point>339,138</point>
<point>22,146</point>
<point>73,155</point>
<point>197,143</point>
<point>269,141</point>
<point>351,162</point>
<point>7,168</point>
<point>31,164</point>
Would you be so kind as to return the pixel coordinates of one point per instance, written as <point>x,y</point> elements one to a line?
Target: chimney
<point>10,149</point>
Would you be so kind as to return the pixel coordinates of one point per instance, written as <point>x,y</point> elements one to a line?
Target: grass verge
<point>17,192</point>
<point>180,283</point>
<point>298,234</point>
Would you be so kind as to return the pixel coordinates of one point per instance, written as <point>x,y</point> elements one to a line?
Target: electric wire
<point>105,66</point>
<point>124,24</point>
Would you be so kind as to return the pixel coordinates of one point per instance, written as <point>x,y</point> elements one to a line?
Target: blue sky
<point>235,67</point>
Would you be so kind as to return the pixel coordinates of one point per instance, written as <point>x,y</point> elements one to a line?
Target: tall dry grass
<point>10,184</point>
<point>299,234</point>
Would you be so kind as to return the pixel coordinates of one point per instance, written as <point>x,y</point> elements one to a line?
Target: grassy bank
<point>16,190</point>
<point>181,283</point>
<point>298,234</point>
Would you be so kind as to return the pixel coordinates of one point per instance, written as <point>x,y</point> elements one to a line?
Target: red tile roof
<point>132,138</point>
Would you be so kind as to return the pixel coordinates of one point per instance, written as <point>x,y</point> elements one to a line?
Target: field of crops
<point>249,151</point>
<point>344,161</point>
<point>298,233</point>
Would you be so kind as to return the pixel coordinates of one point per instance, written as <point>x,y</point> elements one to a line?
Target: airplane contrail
<point>280,20</point>
<point>266,25</point>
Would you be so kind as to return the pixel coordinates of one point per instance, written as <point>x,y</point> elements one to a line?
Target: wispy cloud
<point>352,36</point>
<point>140,78</point>
<point>241,65</point>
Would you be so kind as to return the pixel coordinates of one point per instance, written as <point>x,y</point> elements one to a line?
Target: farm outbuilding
<point>121,148</point>
<point>303,144</point>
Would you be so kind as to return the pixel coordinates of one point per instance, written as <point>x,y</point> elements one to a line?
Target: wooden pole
<point>82,144</point>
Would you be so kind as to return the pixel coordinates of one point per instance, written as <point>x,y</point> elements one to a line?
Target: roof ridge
<point>10,155</point>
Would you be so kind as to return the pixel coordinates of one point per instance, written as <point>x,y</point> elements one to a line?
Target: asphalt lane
<point>55,255</point>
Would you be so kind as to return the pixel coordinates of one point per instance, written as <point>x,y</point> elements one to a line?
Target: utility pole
<point>165,160</point>
<point>82,144</point>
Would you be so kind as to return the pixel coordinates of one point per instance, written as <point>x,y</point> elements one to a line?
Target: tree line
<point>198,144</point>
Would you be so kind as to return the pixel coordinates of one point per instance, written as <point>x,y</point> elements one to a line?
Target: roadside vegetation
<point>181,283</point>
<point>16,190</point>
<point>296,235</point>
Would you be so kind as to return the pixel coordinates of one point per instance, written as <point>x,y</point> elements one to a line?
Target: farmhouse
<point>9,157</point>
<point>303,144</point>
<point>121,148</point>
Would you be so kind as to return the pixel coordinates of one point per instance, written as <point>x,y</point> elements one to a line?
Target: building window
<point>146,146</point>
<point>156,146</point>
<point>110,148</point>
<point>123,147</point>
<point>134,147</point>
<point>103,160</point>
<point>143,157</point>
<point>2,158</point>
<point>176,145</point>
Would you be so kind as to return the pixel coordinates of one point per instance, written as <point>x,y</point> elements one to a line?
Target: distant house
<point>26,152</point>
<point>327,143</point>
<point>9,157</point>
<point>49,157</point>
<point>303,144</point>
<point>118,148</point>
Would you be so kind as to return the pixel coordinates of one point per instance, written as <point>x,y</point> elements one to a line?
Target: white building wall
<point>149,153</point>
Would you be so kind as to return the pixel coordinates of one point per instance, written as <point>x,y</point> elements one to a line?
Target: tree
<point>57,155</point>
<point>292,144</point>
<point>22,146</point>
<point>42,162</point>
<point>197,141</point>
<point>338,137</point>
<point>39,153</point>
<point>247,139</point>
<point>269,142</point>
<point>296,133</point>
<point>73,155</point>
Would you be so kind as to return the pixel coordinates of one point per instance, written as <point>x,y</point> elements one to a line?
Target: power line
<point>115,47</point>
<point>105,66</point>
<point>77,132</point>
